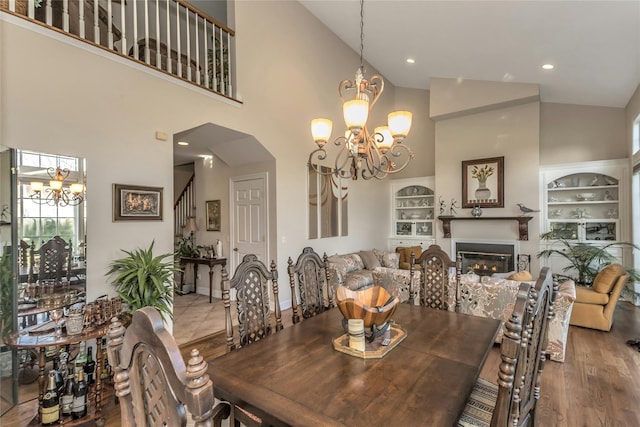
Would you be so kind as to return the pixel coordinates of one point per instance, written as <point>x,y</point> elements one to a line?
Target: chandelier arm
<point>376,86</point>
<point>345,86</point>
<point>320,154</point>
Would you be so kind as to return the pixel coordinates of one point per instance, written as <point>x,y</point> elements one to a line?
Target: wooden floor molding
<point>597,385</point>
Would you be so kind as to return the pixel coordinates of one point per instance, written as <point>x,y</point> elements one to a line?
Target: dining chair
<point>54,261</point>
<point>251,283</point>
<point>434,281</point>
<point>309,279</point>
<point>512,401</point>
<point>151,380</point>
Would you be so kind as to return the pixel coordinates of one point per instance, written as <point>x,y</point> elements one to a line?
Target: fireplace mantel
<point>523,223</point>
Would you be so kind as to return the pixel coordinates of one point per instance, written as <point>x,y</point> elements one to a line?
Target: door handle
<point>235,249</point>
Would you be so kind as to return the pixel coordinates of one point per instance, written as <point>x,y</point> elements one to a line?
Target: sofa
<point>495,297</point>
<point>360,270</point>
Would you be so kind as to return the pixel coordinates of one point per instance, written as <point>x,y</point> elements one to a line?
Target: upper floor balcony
<point>169,35</point>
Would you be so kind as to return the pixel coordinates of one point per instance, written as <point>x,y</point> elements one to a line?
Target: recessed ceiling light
<point>183,143</point>
<point>411,61</point>
<point>548,67</point>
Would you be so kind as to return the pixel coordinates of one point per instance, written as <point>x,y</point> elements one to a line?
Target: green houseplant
<point>584,260</point>
<point>142,279</point>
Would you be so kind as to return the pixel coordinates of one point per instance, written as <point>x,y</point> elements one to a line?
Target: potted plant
<point>585,260</point>
<point>142,279</point>
<point>185,248</point>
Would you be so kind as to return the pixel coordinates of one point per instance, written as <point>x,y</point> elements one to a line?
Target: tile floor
<point>195,318</point>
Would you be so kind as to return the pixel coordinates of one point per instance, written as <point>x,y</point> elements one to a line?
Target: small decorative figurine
<point>452,208</point>
<point>443,205</point>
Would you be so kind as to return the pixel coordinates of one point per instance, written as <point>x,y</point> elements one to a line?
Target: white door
<point>249,228</point>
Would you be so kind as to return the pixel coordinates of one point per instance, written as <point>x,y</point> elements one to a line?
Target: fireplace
<point>486,257</point>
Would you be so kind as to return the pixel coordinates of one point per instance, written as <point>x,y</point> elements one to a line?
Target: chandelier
<point>359,152</point>
<point>56,194</point>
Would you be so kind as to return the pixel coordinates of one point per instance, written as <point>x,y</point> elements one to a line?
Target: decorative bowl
<point>374,305</point>
<point>586,196</point>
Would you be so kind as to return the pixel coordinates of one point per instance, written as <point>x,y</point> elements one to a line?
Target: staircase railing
<point>170,35</point>
<point>185,206</point>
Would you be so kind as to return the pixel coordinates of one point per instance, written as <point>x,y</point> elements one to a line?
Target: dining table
<point>296,378</point>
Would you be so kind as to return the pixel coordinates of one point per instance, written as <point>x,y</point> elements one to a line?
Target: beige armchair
<point>593,307</point>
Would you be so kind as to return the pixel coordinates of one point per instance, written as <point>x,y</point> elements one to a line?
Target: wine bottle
<point>58,376</point>
<point>89,366</point>
<point>50,411</point>
<point>81,358</point>
<point>79,408</point>
<point>66,401</point>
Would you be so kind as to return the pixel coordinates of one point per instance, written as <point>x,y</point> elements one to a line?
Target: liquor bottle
<point>79,408</point>
<point>50,411</point>
<point>66,401</point>
<point>89,366</point>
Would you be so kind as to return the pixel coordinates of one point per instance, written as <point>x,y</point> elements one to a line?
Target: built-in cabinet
<point>586,202</point>
<point>412,212</point>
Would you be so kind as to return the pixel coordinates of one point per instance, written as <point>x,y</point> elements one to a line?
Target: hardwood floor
<point>597,385</point>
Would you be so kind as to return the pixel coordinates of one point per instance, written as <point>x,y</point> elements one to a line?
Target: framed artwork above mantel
<point>483,183</point>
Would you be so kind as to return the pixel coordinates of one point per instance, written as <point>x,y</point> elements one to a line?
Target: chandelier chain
<point>361,32</point>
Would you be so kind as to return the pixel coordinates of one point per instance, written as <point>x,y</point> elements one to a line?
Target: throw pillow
<point>606,278</point>
<point>370,260</point>
<point>521,276</point>
<point>503,275</point>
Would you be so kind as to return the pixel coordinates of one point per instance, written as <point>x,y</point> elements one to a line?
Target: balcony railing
<point>170,35</point>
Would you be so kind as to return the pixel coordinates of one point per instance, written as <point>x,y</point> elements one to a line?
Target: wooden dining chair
<point>54,261</point>
<point>251,283</point>
<point>512,401</point>
<point>151,380</point>
<point>434,280</point>
<point>309,279</point>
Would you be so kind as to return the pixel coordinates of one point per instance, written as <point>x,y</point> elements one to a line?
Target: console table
<point>523,223</point>
<point>211,262</point>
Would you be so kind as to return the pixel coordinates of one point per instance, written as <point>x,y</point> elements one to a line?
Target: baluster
<point>206,54</point>
<point>188,36</point>
<point>31,9</point>
<point>136,48</point>
<point>123,28</point>
<point>178,40</point>
<point>228,64</point>
<point>197,37</point>
<point>110,24</point>
<point>96,22</point>
<point>81,18</point>
<point>147,51</point>
<point>169,55</point>
<point>48,13</point>
<point>65,15</point>
<point>222,88</point>
<point>12,5</point>
<point>158,44</point>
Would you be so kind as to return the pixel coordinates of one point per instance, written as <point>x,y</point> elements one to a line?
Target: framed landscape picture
<point>213,215</point>
<point>483,183</point>
<point>133,202</point>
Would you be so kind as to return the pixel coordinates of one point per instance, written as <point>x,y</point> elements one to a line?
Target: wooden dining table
<point>296,378</point>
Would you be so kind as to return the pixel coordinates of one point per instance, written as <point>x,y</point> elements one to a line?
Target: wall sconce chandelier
<point>361,153</point>
<point>56,194</point>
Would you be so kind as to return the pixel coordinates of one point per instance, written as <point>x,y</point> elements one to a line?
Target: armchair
<point>594,307</point>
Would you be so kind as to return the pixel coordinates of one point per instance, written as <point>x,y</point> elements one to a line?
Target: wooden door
<point>249,227</point>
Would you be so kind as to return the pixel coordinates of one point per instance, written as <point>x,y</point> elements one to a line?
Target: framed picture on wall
<point>483,183</point>
<point>213,215</point>
<point>134,202</point>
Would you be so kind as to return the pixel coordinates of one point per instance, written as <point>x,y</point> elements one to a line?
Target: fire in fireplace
<point>484,259</point>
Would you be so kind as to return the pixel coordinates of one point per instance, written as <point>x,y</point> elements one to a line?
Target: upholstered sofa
<point>495,297</point>
<point>360,270</point>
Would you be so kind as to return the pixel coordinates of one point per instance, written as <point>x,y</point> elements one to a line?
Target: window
<point>38,222</point>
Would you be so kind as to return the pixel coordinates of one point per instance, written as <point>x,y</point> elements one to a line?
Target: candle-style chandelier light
<point>359,152</point>
<point>57,194</point>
